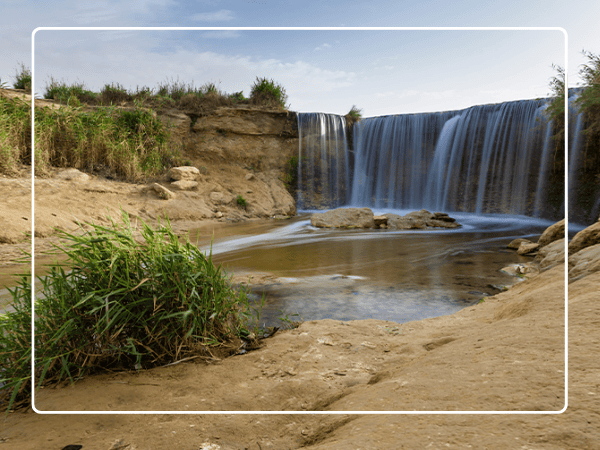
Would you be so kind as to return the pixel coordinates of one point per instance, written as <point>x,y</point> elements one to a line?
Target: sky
<point>381,72</point>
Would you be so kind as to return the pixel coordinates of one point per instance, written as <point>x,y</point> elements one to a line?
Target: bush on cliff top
<point>267,92</point>
<point>118,302</point>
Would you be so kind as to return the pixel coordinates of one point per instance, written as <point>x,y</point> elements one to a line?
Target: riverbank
<point>506,354</point>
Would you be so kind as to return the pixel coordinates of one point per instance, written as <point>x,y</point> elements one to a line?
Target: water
<point>484,159</point>
<point>382,274</point>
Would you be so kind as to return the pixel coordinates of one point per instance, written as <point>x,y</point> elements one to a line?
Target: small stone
<point>527,248</point>
<point>163,192</point>
<point>250,176</point>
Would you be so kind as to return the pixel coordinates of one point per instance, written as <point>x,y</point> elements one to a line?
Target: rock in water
<point>344,218</point>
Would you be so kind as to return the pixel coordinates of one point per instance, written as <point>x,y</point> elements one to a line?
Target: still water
<point>381,274</point>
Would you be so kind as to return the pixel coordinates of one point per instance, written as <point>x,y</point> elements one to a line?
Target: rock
<point>584,262</point>
<point>404,222</point>
<point>184,185</point>
<point>585,238</point>
<point>219,214</point>
<point>443,216</point>
<point>220,198</point>
<point>183,173</point>
<point>515,243</point>
<point>520,270</point>
<point>422,214</point>
<point>73,175</point>
<point>163,192</point>
<point>442,223</point>
<point>552,233</point>
<point>250,176</point>
<point>420,220</point>
<point>551,255</point>
<point>380,221</point>
<point>344,218</point>
<point>526,249</point>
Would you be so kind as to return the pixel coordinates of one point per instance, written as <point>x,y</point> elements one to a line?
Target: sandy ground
<point>506,354</point>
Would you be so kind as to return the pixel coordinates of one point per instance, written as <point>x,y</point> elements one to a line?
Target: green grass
<point>122,300</point>
<point>15,134</point>
<point>134,143</point>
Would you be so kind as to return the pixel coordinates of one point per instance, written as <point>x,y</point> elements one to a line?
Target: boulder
<point>163,192</point>
<point>526,249</point>
<point>183,173</point>
<point>184,185</point>
<point>419,220</point>
<point>250,176</point>
<point>344,218</point>
<point>551,255</point>
<point>515,243</point>
<point>584,262</point>
<point>585,238</point>
<point>552,233</point>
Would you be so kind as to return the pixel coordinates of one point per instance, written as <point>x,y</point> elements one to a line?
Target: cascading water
<point>323,162</point>
<point>484,159</point>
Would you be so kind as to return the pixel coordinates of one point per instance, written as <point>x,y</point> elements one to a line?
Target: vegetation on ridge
<point>118,302</point>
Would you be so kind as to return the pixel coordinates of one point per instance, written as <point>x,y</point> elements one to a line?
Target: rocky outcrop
<point>584,250</point>
<point>551,255</point>
<point>585,238</point>
<point>552,233</point>
<point>344,218</point>
<point>584,262</point>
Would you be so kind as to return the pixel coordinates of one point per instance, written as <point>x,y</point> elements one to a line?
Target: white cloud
<point>322,47</point>
<point>222,15</point>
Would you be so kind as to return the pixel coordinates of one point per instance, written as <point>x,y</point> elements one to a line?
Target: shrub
<point>23,78</point>
<point>114,93</point>
<point>65,93</point>
<point>354,115</point>
<point>241,201</point>
<point>119,302</point>
<point>265,91</point>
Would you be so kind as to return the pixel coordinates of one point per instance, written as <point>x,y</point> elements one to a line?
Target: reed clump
<point>127,297</point>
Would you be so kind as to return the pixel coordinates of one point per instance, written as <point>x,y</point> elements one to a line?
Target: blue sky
<point>382,72</point>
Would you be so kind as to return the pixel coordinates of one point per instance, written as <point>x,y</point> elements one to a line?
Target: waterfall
<point>323,161</point>
<point>493,158</point>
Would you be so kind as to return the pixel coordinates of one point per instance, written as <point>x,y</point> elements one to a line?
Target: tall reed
<point>127,297</point>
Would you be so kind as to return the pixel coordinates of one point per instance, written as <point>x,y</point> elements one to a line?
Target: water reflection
<point>382,274</point>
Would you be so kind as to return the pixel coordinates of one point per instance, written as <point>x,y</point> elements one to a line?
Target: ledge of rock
<point>364,218</point>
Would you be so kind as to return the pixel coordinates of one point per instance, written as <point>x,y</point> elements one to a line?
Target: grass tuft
<point>126,298</point>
